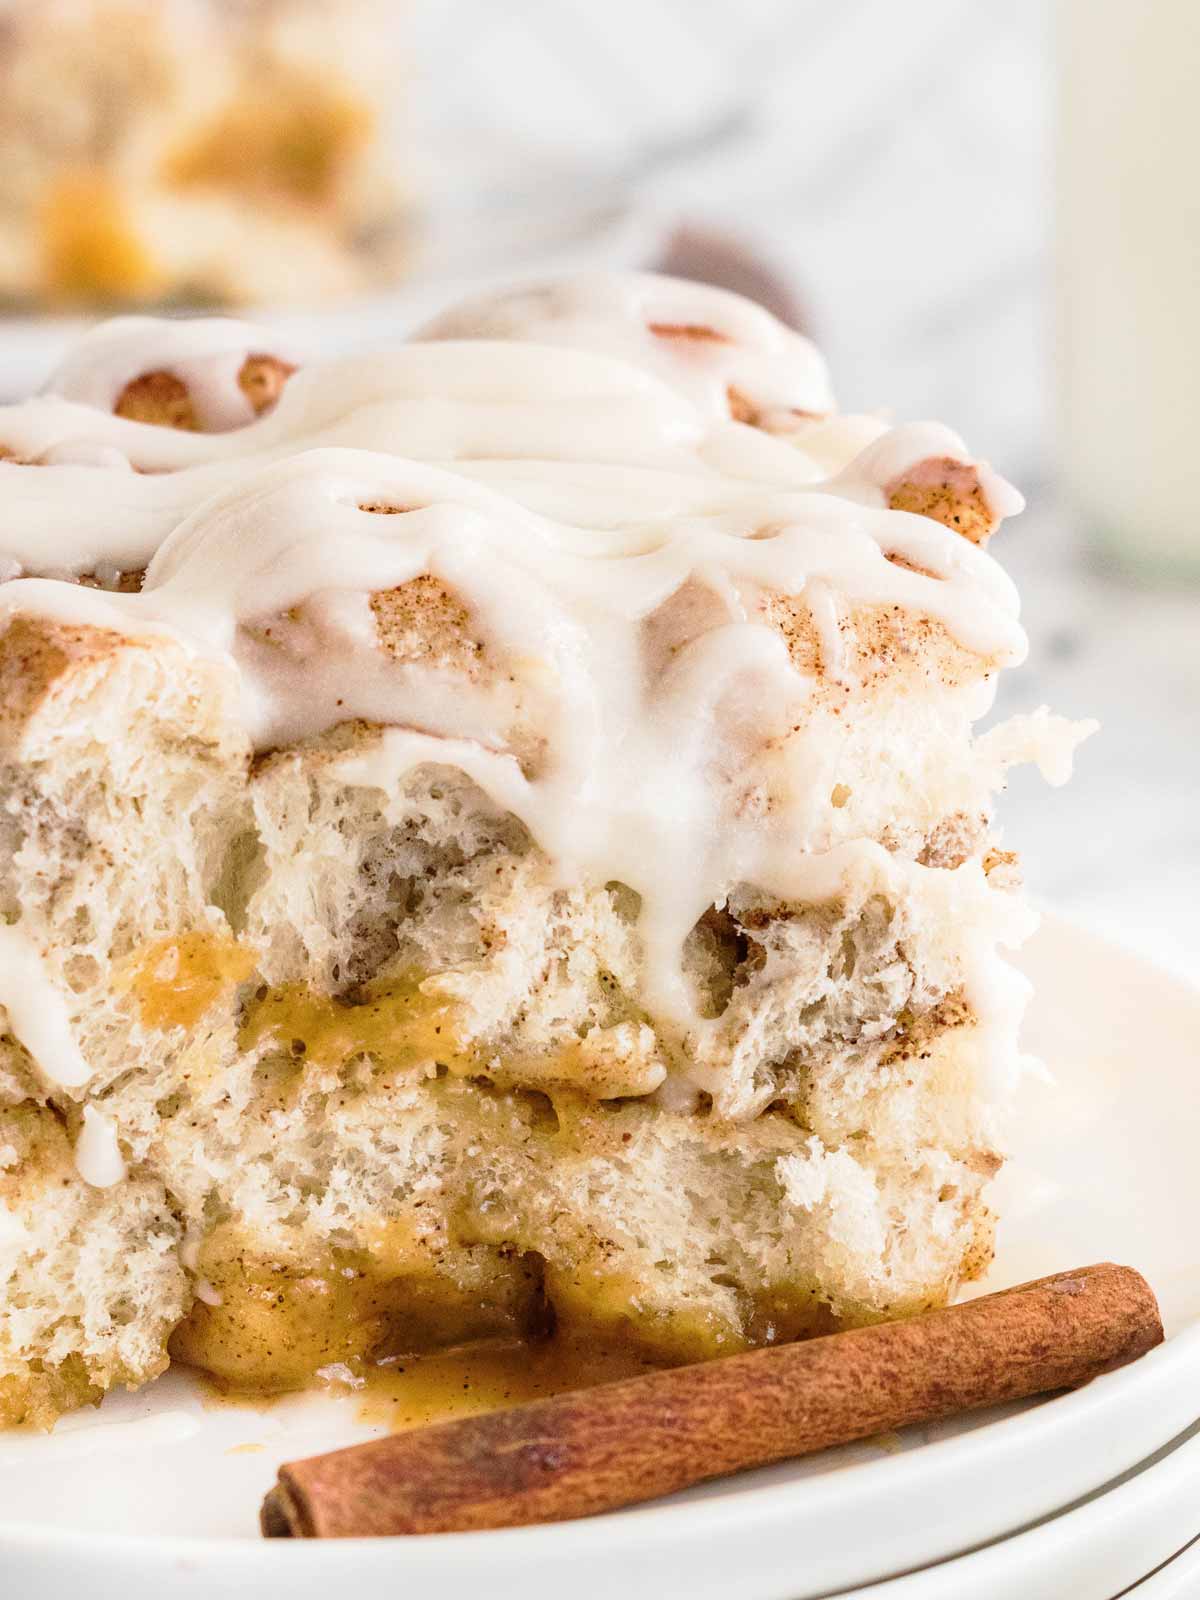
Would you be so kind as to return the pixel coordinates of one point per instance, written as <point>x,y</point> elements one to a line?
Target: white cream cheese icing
<point>98,1158</point>
<point>37,1012</point>
<point>205,354</point>
<point>700,340</point>
<point>565,461</point>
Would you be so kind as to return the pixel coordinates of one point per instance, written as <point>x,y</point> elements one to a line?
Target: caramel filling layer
<point>413,1391</point>
<point>277,1326</point>
<point>390,1019</point>
<point>176,981</point>
<point>467,1274</point>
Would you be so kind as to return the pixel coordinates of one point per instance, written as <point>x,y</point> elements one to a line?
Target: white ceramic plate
<point>1178,1580</point>
<point>1096,1551</point>
<point>158,1494</point>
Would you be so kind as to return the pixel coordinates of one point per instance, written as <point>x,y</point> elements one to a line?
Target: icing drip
<point>657,836</point>
<point>37,1013</point>
<point>98,1158</point>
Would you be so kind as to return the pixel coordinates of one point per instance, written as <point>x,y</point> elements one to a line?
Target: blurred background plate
<point>462,253</point>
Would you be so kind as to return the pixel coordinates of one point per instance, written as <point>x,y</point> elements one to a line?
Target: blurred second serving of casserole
<point>208,152</point>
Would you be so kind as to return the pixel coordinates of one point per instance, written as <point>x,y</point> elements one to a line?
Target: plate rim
<point>1090,1534</point>
<point>1018,1433</point>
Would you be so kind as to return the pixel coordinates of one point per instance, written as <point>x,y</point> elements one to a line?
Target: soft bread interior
<point>379,1080</point>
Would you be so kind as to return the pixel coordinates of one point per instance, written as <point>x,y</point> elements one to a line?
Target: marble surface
<point>891,159</point>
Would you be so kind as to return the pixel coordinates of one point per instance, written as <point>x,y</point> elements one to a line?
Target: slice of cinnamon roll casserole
<point>492,839</point>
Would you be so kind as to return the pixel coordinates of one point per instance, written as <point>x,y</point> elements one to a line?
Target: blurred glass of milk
<point>1129,278</point>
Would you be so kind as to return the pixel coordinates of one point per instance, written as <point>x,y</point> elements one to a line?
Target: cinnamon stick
<point>621,1443</point>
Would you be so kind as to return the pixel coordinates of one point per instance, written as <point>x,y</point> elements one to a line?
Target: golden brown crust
<point>48,668</point>
<point>880,644</point>
<point>742,408</point>
<point>262,380</point>
<point>424,620</point>
<point>949,491</point>
<point>694,331</point>
<point>790,617</point>
<point>159,398</point>
<point>162,400</point>
<point>892,643</point>
<point>36,655</point>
